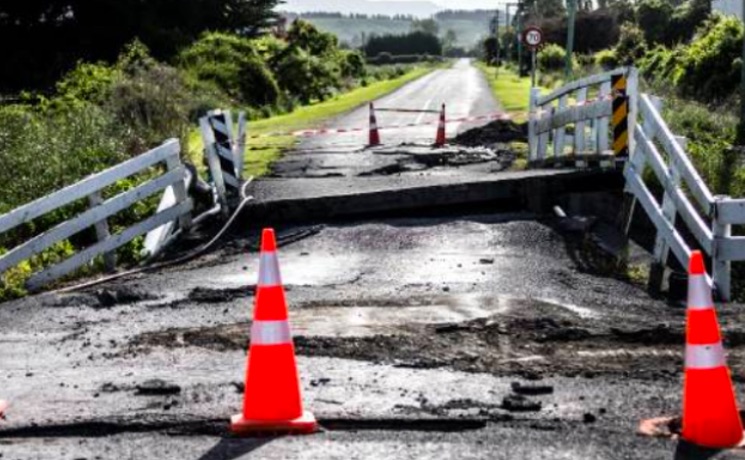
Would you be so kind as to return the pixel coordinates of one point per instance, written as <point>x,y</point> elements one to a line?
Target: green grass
<point>512,91</point>
<point>261,152</point>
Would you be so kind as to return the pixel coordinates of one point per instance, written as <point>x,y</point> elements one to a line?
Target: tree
<point>427,26</point>
<point>544,8</point>
<point>654,17</point>
<point>450,39</point>
<point>491,49</point>
<point>411,43</point>
<point>66,31</point>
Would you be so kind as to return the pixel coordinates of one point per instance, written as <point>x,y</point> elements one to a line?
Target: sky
<point>464,4</point>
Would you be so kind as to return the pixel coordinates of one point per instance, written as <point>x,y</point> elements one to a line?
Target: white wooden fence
<point>98,213</point>
<point>709,218</point>
<point>573,122</point>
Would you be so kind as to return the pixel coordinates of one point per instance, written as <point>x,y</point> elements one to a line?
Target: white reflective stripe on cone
<point>270,333</point>
<point>699,293</point>
<point>705,356</point>
<point>269,270</point>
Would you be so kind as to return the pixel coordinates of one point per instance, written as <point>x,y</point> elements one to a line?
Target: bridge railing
<point>587,119</point>
<point>708,218</point>
<point>98,212</point>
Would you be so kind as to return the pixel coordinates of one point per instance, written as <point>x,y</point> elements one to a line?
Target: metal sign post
<point>533,39</point>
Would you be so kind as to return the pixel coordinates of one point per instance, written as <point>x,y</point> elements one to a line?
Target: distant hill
<point>470,27</point>
<point>416,8</point>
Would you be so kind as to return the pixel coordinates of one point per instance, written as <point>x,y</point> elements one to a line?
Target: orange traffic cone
<point>440,139</point>
<point>272,400</point>
<point>374,134</point>
<point>710,414</point>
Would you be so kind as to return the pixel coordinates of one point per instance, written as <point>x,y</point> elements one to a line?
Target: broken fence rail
<point>98,212</point>
<point>708,218</point>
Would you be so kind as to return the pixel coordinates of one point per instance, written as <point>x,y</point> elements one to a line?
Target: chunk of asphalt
<point>319,382</point>
<point>519,403</point>
<point>532,389</point>
<point>157,387</point>
<point>486,261</point>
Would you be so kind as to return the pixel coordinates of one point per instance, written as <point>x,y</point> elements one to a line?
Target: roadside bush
<point>660,63</point>
<point>709,68</point>
<point>307,77</point>
<point>551,57</point>
<point>153,104</point>
<point>631,45</point>
<point>233,64</point>
<point>606,59</point>
<point>43,151</point>
<point>352,64</point>
<point>86,83</point>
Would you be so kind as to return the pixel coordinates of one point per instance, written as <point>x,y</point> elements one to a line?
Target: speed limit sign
<point>533,37</point>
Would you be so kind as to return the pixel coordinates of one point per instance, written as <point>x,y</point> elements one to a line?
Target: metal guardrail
<point>575,120</point>
<point>99,211</point>
<point>709,218</point>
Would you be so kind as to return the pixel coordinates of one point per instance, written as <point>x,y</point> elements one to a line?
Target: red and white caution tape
<point>329,131</point>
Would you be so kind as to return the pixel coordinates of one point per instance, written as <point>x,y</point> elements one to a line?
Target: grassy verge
<point>511,90</point>
<point>261,152</point>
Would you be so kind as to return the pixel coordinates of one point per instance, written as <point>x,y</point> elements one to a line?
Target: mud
<point>496,132</point>
<point>414,159</point>
<point>535,341</point>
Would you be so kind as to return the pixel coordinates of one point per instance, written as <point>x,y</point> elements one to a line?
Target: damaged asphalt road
<point>489,336</point>
<point>470,336</point>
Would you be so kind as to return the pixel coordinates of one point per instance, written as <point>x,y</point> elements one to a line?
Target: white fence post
<point>208,139</point>
<point>579,127</point>
<point>102,231</point>
<point>560,132</point>
<point>721,267</point>
<point>603,141</point>
<point>240,143</point>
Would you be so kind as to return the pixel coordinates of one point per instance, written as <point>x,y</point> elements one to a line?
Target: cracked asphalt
<point>475,335</point>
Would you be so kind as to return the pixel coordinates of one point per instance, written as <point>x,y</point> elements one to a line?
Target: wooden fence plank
<point>574,114</point>
<point>88,218</point>
<point>63,268</point>
<point>688,172</point>
<point>87,186</point>
<point>584,82</point>
<point>687,212</point>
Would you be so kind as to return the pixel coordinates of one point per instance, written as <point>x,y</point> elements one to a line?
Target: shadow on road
<point>686,451</point>
<point>232,448</point>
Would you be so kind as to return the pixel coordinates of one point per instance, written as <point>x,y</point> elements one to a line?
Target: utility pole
<point>507,46</point>
<point>572,11</point>
<point>519,38</point>
<point>496,35</point>
<point>507,7</point>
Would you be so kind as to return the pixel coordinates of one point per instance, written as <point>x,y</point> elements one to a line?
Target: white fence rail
<point>99,211</point>
<point>708,218</point>
<point>573,122</point>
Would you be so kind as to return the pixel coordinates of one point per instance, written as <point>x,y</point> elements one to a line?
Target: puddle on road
<point>371,319</point>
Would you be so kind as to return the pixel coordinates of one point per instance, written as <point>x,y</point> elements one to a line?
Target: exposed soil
<point>418,159</point>
<point>499,131</point>
<point>533,341</point>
